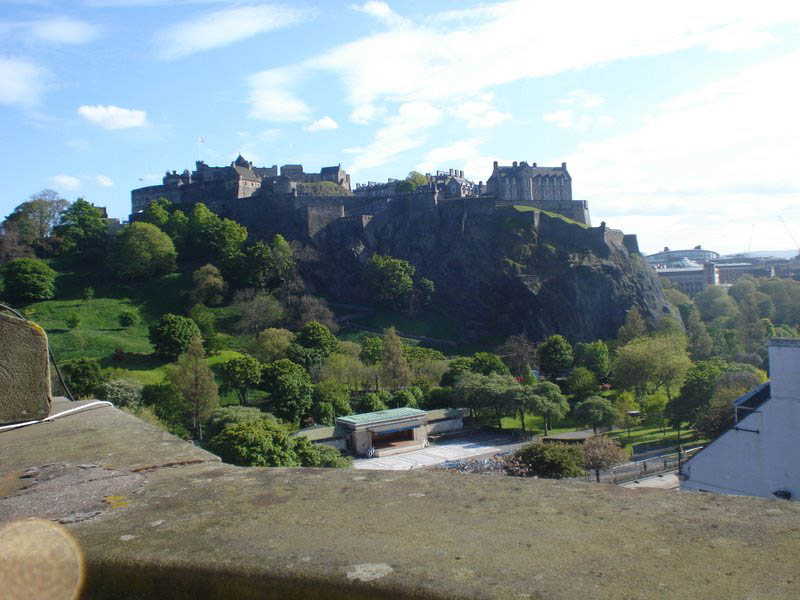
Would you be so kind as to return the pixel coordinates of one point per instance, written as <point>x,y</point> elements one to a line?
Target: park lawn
<point>645,438</point>
<point>534,424</point>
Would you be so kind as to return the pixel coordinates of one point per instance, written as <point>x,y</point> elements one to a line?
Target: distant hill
<point>765,254</point>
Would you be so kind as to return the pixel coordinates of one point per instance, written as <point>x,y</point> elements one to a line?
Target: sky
<point>678,120</point>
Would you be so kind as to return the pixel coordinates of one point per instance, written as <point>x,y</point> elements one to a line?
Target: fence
<point>645,468</point>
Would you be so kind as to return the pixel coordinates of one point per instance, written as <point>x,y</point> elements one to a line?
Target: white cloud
<point>560,118</point>
<point>583,99</point>
<point>716,160</point>
<point>113,117</point>
<point>66,182</point>
<point>381,11</point>
<point>63,30</point>
<point>22,81</point>
<point>479,112</point>
<point>224,27</point>
<point>364,113</point>
<point>402,131</point>
<point>271,98</point>
<point>323,124</point>
<point>104,180</point>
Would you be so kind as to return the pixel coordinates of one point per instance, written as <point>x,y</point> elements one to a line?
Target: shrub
<point>122,392</point>
<point>29,280</point>
<point>83,377</point>
<point>141,250</point>
<point>127,318</point>
<point>168,404</point>
<point>255,443</point>
<point>118,355</point>
<point>172,334</point>
<point>228,415</point>
<point>319,455</point>
<point>550,461</point>
<point>73,320</point>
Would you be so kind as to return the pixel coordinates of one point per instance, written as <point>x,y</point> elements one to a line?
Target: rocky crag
<point>498,270</point>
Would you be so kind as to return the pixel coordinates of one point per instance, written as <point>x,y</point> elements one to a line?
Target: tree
<point>204,319</point>
<point>395,372</point>
<point>595,411</point>
<point>83,377</point>
<point>555,356</point>
<point>633,327</point>
<point>240,375</point>
<point>389,280</point>
<point>486,363</point>
<point>289,388</point>
<point>416,179</point>
<point>34,219</point>
<point>209,286</point>
<point>647,363</point>
<point>168,404</point>
<point>370,402</point>
<point>122,392</point>
<point>271,344</point>
<point>696,392</point>
<point>139,251</point>
<point>549,403</point>
<point>156,213</point>
<point>550,461</point>
<point>255,443</point>
<point>172,335</point>
<point>267,266</point>
<point>82,232</point>
<point>73,321</point>
<point>317,336</point>
<point>602,453</point>
<point>427,289</point>
<point>593,356</point>
<point>371,350</point>
<point>127,318</point>
<point>625,404</point>
<point>28,280</point>
<point>653,407</point>
<point>196,383</point>
<point>257,310</point>
<point>518,353</point>
<point>330,400</point>
<point>700,343</point>
<point>11,243</point>
<point>319,455</point>
<point>581,383</point>
<point>714,303</point>
<point>219,418</point>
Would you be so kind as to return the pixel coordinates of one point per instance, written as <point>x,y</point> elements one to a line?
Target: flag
<point>200,140</point>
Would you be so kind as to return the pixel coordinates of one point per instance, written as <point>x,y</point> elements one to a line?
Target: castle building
<point>239,180</point>
<point>547,188</point>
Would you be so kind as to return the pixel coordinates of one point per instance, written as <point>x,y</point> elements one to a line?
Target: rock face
<point>500,271</point>
<point>24,371</point>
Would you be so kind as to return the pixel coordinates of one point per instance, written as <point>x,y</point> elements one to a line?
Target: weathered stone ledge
<point>155,522</point>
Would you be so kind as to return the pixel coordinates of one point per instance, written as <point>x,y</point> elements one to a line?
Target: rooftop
<point>382,415</point>
<point>158,517</point>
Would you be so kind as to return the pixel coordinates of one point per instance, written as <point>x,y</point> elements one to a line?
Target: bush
<point>141,250</point>
<point>73,320</point>
<point>127,318</point>
<point>122,392</point>
<point>255,443</point>
<point>371,402</point>
<point>228,415</point>
<point>172,334</point>
<point>168,404</point>
<point>319,455</point>
<point>29,280</point>
<point>118,355</point>
<point>550,461</point>
<point>83,377</point>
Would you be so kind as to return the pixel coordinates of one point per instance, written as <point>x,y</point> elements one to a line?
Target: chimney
<point>564,166</point>
<point>534,165</point>
<point>514,164</point>
<point>451,172</point>
<point>495,164</point>
<point>461,174</point>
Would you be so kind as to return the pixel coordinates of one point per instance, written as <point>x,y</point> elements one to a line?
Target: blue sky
<point>678,121</point>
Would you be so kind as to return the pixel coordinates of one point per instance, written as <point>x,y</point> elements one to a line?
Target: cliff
<point>500,271</point>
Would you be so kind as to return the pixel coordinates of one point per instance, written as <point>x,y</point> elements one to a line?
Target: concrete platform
<point>159,518</point>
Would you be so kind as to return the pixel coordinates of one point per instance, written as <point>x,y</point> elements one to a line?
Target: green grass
<point>534,424</point>
<point>645,438</point>
<point>522,208</point>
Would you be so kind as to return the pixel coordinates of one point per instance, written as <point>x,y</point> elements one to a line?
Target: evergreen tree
<point>395,372</point>
<point>196,383</point>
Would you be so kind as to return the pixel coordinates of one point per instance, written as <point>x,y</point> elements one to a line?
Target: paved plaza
<point>471,446</point>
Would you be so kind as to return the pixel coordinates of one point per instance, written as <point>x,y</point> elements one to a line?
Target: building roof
<point>330,169</point>
<point>318,433</point>
<point>381,415</point>
<point>535,171</point>
<point>445,413</point>
<point>246,173</point>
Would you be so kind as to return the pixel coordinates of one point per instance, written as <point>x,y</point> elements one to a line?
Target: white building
<point>760,454</point>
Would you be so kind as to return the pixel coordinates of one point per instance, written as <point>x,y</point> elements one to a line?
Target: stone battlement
<point>159,517</point>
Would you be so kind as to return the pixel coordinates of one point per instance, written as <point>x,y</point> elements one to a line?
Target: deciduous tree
<point>289,388</point>
<point>141,250</point>
<point>555,356</point>
<point>240,375</point>
<point>172,335</point>
<point>595,411</point>
<point>602,453</point>
<point>196,383</point>
<point>28,280</point>
<point>395,372</point>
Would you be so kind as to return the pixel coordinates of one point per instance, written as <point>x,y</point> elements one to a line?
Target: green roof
<point>321,432</point>
<point>381,415</point>
<point>446,413</point>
